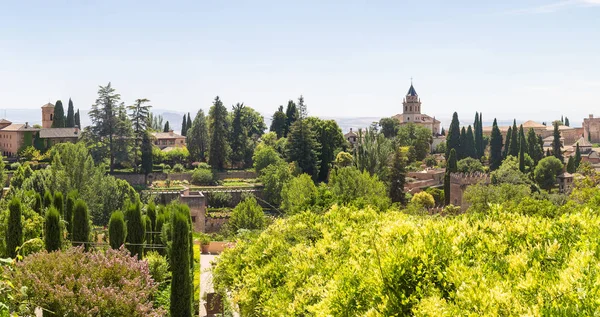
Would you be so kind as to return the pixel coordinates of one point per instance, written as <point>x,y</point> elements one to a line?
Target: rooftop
<point>167,135</point>
<point>412,91</point>
<point>59,133</point>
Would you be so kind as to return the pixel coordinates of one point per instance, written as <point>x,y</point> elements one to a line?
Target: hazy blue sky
<point>525,59</point>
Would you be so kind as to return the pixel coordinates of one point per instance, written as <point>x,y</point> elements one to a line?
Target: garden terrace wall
<point>140,179</point>
<point>235,174</point>
<point>237,194</point>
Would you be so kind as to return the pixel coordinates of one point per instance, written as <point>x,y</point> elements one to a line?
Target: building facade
<point>411,113</point>
<point>591,129</point>
<point>168,139</point>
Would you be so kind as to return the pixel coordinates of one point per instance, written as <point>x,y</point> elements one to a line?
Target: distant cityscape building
<point>568,134</point>
<point>411,113</point>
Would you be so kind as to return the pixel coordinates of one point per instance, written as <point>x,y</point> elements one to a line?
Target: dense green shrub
<point>202,176</point>
<point>219,199</point>
<point>117,231</point>
<point>247,215</point>
<point>14,232</point>
<point>136,232</point>
<point>81,225</point>
<point>178,168</point>
<point>58,202</point>
<point>52,230</point>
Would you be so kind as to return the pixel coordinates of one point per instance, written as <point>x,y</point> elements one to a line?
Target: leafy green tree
<point>147,159</point>
<point>167,128</point>
<point>298,195</point>
<point>136,231</point>
<point>81,225</point>
<point>398,178</point>
<point>58,202</point>
<point>52,230</point>
<point>273,177</point>
<point>218,126</point>
<point>389,127</point>
<point>247,215</point>
<point>181,283</point>
<point>264,156</point>
<point>418,137</point>
<point>330,138</point>
<point>104,117</point>
<point>139,117</point>
<point>70,120</point>
<point>291,115</point>
<point>451,167</point>
<point>453,137</point>
<point>546,171</point>
<point>117,231</point>
<point>59,115</point>
<point>14,231</point>
<point>184,125</point>
<point>509,173</point>
<point>238,138</point>
<point>253,123</point>
<point>423,199</point>
<point>372,153</point>
<point>350,186</point>
<point>197,138</point>
<point>77,119</point>
<point>577,160</point>
<point>278,122</point>
<point>302,146</point>
<point>469,165</point>
<point>556,143</point>
<point>343,159</point>
<point>69,211</point>
<point>495,147</point>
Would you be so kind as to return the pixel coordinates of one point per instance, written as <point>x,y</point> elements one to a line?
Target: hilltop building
<point>411,113</point>
<point>591,129</point>
<point>568,134</point>
<point>164,140</point>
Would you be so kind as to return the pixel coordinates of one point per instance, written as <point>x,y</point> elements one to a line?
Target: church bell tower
<point>412,106</point>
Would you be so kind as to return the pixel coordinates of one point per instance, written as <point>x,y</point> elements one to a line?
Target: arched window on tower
<point>410,108</point>
<point>51,116</point>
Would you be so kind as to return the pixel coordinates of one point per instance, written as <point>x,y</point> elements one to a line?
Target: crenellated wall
<point>459,183</point>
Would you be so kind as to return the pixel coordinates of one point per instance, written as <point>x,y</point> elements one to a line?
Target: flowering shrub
<point>77,283</point>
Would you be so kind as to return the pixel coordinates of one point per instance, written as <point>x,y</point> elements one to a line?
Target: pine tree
<point>302,146</point>
<point>291,115</point>
<point>567,123</point>
<point>147,159</point>
<point>77,119</point>
<point>451,167</point>
<point>181,283</point>
<point>478,137</point>
<point>52,230</point>
<point>70,123</point>
<point>571,165</point>
<point>14,230</point>
<point>139,118</point>
<point>278,123</point>
<point>398,178</point>
<point>514,140</point>
<point>453,137</point>
<point>562,121</point>
<point>167,127</point>
<point>495,147</point>
<point>577,160</point>
<point>117,231</point>
<point>58,202</point>
<point>184,125</point>
<point>556,144</point>
<point>238,138</point>
<point>135,230</point>
<point>188,124</point>
<point>443,132</point>
<point>218,127</point>
<point>69,211</point>
<point>506,150</point>
<point>59,115</point>
<point>197,138</point>
<point>105,120</point>
<point>81,225</point>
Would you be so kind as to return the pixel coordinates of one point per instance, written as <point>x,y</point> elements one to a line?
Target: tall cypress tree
<point>532,147</point>
<point>506,151</point>
<point>37,203</point>
<point>218,127</point>
<point>522,148</point>
<point>478,136</point>
<point>117,231</point>
<point>148,237</point>
<point>451,167</point>
<point>47,199</point>
<point>571,165</point>
<point>482,145</point>
<point>291,115</point>
<point>567,123</point>
<point>495,147</point>
<point>556,145</point>
<point>470,147</point>
<point>238,138</point>
<point>514,140</point>
<point>77,119</point>
<point>81,225</point>
<point>167,127</point>
<point>453,137</point>
<point>188,124</point>
<point>69,211</point>
<point>70,115</point>
<point>59,115</point>
<point>52,230</point>
<point>462,150</point>
<point>577,160</point>
<point>151,213</point>
<point>278,123</point>
<point>14,230</point>
<point>58,202</point>
<point>181,283</point>
<point>398,178</point>
<point>147,159</point>
<point>184,125</point>
<point>136,231</point>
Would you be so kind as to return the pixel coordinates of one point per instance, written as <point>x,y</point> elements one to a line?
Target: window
<point>193,218</point>
<point>51,117</point>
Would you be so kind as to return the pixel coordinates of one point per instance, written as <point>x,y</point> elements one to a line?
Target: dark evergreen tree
<point>443,132</point>
<point>556,144</point>
<point>184,125</point>
<point>58,202</point>
<point>562,121</point>
<point>181,283</point>
<point>238,139</point>
<point>548,153</point>
<point>577,160</point>
<point>70,121</point>
<point>522,156</point>
<point>302,146</point>
<point>483,140</point>
<point>514,140</point>
<point>571,165</point>
<point>495,147</point>
<point>462,150</point>
<point>453,138</point>
<point>14,230</point>
<point>470,147</point>
<point>117,231</point>
<point>278,123</point>
<point>37,203</point>
<point>398,178</point>
<point>47,199</point>
<point>167,127</point>
<point>81,225</point>
<point>188,124</point>
<point>567,123</point>
<point>136,231</point>
<point>59,115</point>
<point>148,237</point>
<point>506,150</point>
<point>147,159</point>
<point>105,121</point>
<point>77,119</point>
<point>218,127</point>
<point>291,115</point>
<point>451,167</point>
<point>151,213</point>
<point>478,137</point>
<point>197,138</point>
<point>533,149</point>
<point>69,211</point>
<point>139,119</point>
<point>330,139</point>
<point>52,230</point>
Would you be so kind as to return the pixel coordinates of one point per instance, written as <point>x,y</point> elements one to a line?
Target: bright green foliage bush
<point>136,229</point>
<point>81,225</point>
<point>423,199</point>
<point>264,156</point>
<point>202,176</point>
<point>219,199</point>
<point>52,230</point>
<point>273,178</point>
<point>14,232</point>
<point>299,194</point>
<point>158,267</point>
<point>247,215</point>
<point>349,186</point>
<point>117,231</point>
<point>437,194</point>
<point>469,165</point>
<point>358,262</point>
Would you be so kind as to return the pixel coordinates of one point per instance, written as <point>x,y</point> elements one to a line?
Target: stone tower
<point>412,106</point>
<point>47,115</point>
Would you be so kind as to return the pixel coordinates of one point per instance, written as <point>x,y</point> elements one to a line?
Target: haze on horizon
<point>525,59</point>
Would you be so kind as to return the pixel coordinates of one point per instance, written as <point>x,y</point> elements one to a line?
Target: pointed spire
<point>411,90</point>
